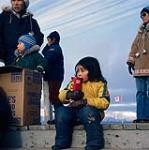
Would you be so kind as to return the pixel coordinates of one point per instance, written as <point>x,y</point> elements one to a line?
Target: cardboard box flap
<point>7,69</point>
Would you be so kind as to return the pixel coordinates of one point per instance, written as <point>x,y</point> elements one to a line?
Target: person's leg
<point>146,105</point>
<point>141,96</point>
<point>54,87</point>
<point>90,117</point>
<point>65,117</point>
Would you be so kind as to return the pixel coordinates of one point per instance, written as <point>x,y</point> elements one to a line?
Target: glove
<point>39,69</point>
<point>79,104</point>
<point>74,95</point>
<point>2,62</point>
<point>130,67</point>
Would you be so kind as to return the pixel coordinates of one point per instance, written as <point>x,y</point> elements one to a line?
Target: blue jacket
<point>12,27</point>
<point>55,62</point>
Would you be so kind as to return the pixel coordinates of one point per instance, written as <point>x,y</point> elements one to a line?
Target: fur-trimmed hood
<point>10,10</point>
<point>33,49</point>
<point>144,28</point>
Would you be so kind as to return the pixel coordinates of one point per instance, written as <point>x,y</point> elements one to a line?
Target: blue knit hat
<point>28,40</point>
<point>145,9</point>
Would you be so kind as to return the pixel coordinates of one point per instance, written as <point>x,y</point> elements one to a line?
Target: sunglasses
<point>143,15</point>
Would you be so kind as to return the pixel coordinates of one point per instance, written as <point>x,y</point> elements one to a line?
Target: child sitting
<point>27,54</point>
<point>87,104</point>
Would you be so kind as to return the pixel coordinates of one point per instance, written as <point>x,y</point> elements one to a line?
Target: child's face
<point>82,73</point>
<point>50,41</point>
<point>20,48</point>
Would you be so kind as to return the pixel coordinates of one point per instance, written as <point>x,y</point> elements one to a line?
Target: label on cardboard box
<point>16,77</point>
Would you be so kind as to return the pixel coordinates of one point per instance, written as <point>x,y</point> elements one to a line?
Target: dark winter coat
<point>5,111</point>
<point>55,62</point>
<point>12,27</point>
<point>31,59</point>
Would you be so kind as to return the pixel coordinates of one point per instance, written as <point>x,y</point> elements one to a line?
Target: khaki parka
<point>139,54</point>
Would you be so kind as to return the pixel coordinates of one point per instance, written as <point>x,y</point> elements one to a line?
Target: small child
<point>27,54</point>
<point>54,73</point>
<point>92,100</point>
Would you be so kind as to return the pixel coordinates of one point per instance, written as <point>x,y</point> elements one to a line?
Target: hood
<point>9,9</point>
<point>35,48</point>
<point>144,28</point>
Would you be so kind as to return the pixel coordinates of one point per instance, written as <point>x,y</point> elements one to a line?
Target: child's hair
<point>54,35</point>
<point>93,67</point>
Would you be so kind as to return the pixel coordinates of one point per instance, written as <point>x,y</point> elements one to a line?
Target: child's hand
<point>39,69</point>
<point>80,103</point>
<point>69,95</point>
<point>74,95</point>
<point>130,67</point>
<point>78,95</point>
<point>66,103</point>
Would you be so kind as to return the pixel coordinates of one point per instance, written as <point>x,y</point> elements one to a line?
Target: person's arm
<point>2,49</point>
<point>44,51</point>
<point>134,53</point>
<point>102,100</point>
<point>134,50</point>
<point>39,36</point>
<point>40,62</point>
<point>51,53</point>
<point>63,93</point>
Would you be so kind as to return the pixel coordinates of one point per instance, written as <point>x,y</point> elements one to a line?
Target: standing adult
<point>138,65</point>
<point>55,68</point>
<point>14,22</point>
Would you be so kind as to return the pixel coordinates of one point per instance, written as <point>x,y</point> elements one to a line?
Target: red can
<point>76,83</point>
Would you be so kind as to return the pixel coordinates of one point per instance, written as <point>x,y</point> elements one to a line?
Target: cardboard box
<point>23,88</point>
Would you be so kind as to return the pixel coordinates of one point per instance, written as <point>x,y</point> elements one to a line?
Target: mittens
<point>80,103</point>
<point>74,95</point>
<point>130,67</point>
<point>39,69</point>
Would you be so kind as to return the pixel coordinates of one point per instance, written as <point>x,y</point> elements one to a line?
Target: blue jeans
<point>89,117</point>
<point>142,97</point>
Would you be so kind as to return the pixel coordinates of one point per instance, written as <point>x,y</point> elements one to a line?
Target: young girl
<point>92,100</point>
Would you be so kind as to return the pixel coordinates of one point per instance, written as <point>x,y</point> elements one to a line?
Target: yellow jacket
<point>96,94</point>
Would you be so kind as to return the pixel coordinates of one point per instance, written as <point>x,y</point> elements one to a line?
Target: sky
<point>103,29</point>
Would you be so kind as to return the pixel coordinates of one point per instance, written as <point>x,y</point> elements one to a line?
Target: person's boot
<point>50,122</point>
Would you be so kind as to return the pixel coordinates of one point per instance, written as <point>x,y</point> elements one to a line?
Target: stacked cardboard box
<point>23,88</point>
